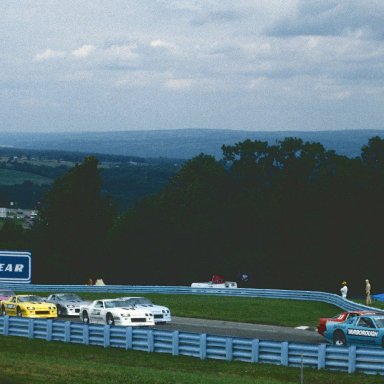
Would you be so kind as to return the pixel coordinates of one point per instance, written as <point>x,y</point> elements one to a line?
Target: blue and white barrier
<point>321,356</point>
<point>325,297</point>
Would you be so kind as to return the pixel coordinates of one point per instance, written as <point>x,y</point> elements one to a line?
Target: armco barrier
<point>325,297</point>
<point>322,356</point>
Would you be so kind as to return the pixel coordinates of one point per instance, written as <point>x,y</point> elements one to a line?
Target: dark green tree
<point>74,222</point>
<point>13,236</point>
<point>373,154</point>
<point>175,234</point>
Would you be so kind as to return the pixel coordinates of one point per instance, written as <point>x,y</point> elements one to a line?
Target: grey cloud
<point>116,67</point>
<point>332,18</point>
<point>217,17</point>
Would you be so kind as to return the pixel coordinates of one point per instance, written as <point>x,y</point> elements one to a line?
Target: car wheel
<point>18,312</point>
<point>339,338</point>
<point>110,320</point>
<point>59,311</point>
<point>85,317</point>
<point>3,311</point>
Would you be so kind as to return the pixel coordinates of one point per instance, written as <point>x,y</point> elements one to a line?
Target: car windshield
<point>69,297</point>
<point>379,322</point>
<point>339,316</point>
<point>6,293</point>
<point>141,300</point>
<point>350,320</point>
<point>116,304</point>
<point>27,299</point>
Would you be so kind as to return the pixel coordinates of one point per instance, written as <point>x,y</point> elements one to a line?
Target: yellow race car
<point>28,306</point>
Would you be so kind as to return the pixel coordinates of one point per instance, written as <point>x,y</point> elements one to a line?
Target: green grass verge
<point>40,362</point>
<point>12,177</point>
<point>242,309</point>
<point>375,303</point>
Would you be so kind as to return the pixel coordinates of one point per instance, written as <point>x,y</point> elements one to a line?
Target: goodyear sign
<point>15,267</point>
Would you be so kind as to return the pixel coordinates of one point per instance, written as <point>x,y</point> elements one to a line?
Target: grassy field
<point>12,177</point>
<point>248,310</point>
<point>41,362</point>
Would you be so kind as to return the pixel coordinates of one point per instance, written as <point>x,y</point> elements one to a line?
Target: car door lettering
<point>362,332</point>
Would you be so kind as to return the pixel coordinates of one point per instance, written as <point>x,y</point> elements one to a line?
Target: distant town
<point>26,217</point>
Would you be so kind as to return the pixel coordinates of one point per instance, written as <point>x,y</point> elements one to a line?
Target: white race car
<point>115,312</point>
<point>161,314</point>
<point>210,284</point>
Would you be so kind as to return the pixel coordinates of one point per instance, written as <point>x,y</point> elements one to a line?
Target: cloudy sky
<point>99,65</point>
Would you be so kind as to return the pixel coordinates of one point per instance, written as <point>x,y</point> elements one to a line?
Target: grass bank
<point>375,303</point>
<point>39,362</point>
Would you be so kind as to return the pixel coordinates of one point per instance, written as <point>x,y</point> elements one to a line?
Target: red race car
<point>340,318</point>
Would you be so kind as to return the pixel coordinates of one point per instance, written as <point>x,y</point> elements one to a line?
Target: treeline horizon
<point>125,178</point>
<point>291,215</point>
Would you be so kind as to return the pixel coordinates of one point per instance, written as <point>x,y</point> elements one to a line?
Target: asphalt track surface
<point>234,329</point>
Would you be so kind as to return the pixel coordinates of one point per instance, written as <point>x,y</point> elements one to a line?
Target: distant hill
<point>27,174</point>
<point>179,143</point>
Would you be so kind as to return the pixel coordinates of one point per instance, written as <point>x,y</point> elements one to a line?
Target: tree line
<point>291,215</point>
<point>125,178</point>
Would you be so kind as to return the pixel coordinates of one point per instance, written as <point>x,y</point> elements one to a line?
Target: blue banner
<point>15,267</point>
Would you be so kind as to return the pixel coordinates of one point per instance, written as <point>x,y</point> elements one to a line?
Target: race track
<point>234,329</point>
<point>255,331</point>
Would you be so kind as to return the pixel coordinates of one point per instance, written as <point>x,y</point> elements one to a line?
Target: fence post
<point>31,324</point>
<point>67,332</point>
<point>49,330</point>
<point>150,338</point>
<point>175,343</point>
<point>352,359</point>
<point>85,334</point>
<point>255,351</point>
<point>203,346</point>
<point>321,350</point>
<point>284,353</point>
<point>6,326</point>
<point>107,336</point>
<point>128,338</point>
<point>229,349</point>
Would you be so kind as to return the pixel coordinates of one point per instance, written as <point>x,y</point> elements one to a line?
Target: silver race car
<point>68,304</point>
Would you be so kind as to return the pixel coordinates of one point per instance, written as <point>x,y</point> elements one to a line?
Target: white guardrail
<point>321,356</point>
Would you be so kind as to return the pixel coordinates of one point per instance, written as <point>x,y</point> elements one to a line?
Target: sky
<point>258,65</point>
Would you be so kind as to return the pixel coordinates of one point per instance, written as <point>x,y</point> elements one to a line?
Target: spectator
<point>99,281</point>
<point>368,299</point>
<point>90,281</point>
<point>217,279</point>
<point>344,290</point>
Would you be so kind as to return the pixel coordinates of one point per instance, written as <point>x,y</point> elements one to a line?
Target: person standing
<point>368,299</point>
<point>344,290</point>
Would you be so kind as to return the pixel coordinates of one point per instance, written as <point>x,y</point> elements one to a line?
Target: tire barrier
<point>203,346</point>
